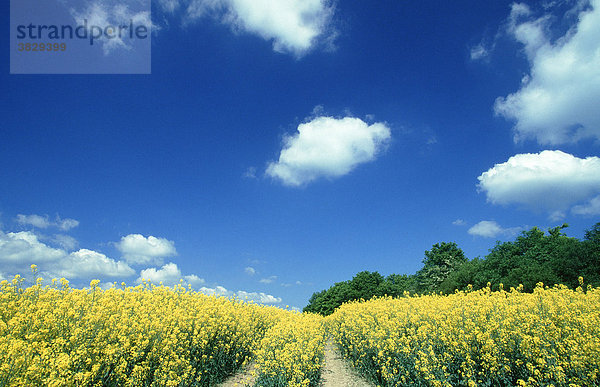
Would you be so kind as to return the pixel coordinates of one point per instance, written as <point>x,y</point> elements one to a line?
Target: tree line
<point>534,256</point>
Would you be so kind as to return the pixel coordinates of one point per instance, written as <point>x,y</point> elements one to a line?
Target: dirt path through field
<point>337,372</point>
<point>243,378</point>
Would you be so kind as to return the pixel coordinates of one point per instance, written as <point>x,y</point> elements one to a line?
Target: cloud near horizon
<point>18,250</point>
<point>327,147</point>
<point>243,295</point>
<point>558,100</point>
<point>137,249</point>
<point>169,275</point>
<point>491,229</point>
<point>549,181</point>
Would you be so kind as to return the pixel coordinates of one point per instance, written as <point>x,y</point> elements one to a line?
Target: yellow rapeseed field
<point>550,337</point>
<point>292,351</point>
<point>148,335</point>
<point>131,336</point>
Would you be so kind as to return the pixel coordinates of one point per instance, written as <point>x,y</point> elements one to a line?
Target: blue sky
<point>279,147</point>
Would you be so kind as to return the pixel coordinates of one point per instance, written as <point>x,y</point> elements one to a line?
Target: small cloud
<point>111,12</point>
<point>491,229</point>
<point>37,221</point>
<point>66,224</point>
<point>293,26</point>
<point>250,173</point>
<point>432,140</point>
<point>269,280</point>
<point>327,147</point>
<point>287,285</point>
<point>106,285</point>
<point>169,275</point>
<point>261,298</point>
<point>65,241</point>
<point>479,52</point>
<point>250,270</point>
<point>43,222</point>
<point>590,208</point>
<point>459,222</point>
<point>557,215</point>
<point>137,249</point>
<point>550,181</point>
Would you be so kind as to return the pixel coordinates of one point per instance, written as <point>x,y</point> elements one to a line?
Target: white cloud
<point>261,298</point>
<point>479,52</point>
<point>590,208</point>
<point>258,297</point>
<point>67,242</point>
<point>24,248</point>
<point>169,275</point>
<point>558,100</point>
<point>169,5</point>
<point>327,147</point>
<point>557,215</point>
<point>19,250</point>
<point>294,26</point>
<point>491,229</point>
<point>269,280</point>
<point>39,221</point>
<point>459,222</point>
<point>87,264</point>
<point>287,285</point>
<point>250,173</point>
<point>137,249</point>
<point>250,270</point>
<point>550,181</point>
<point>66,224</point>
<point>112,13</point>
<point>33,220</point>
<point>217,291</point>
<point>107,285</point>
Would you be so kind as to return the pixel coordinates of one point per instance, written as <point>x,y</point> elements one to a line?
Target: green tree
<point>469,273</point>
<point>591,256</point>
<point>535,257</point>
<point>439,262</point>
<point>365,285</point>
<point>532,257</point>
<point>396,284</point>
